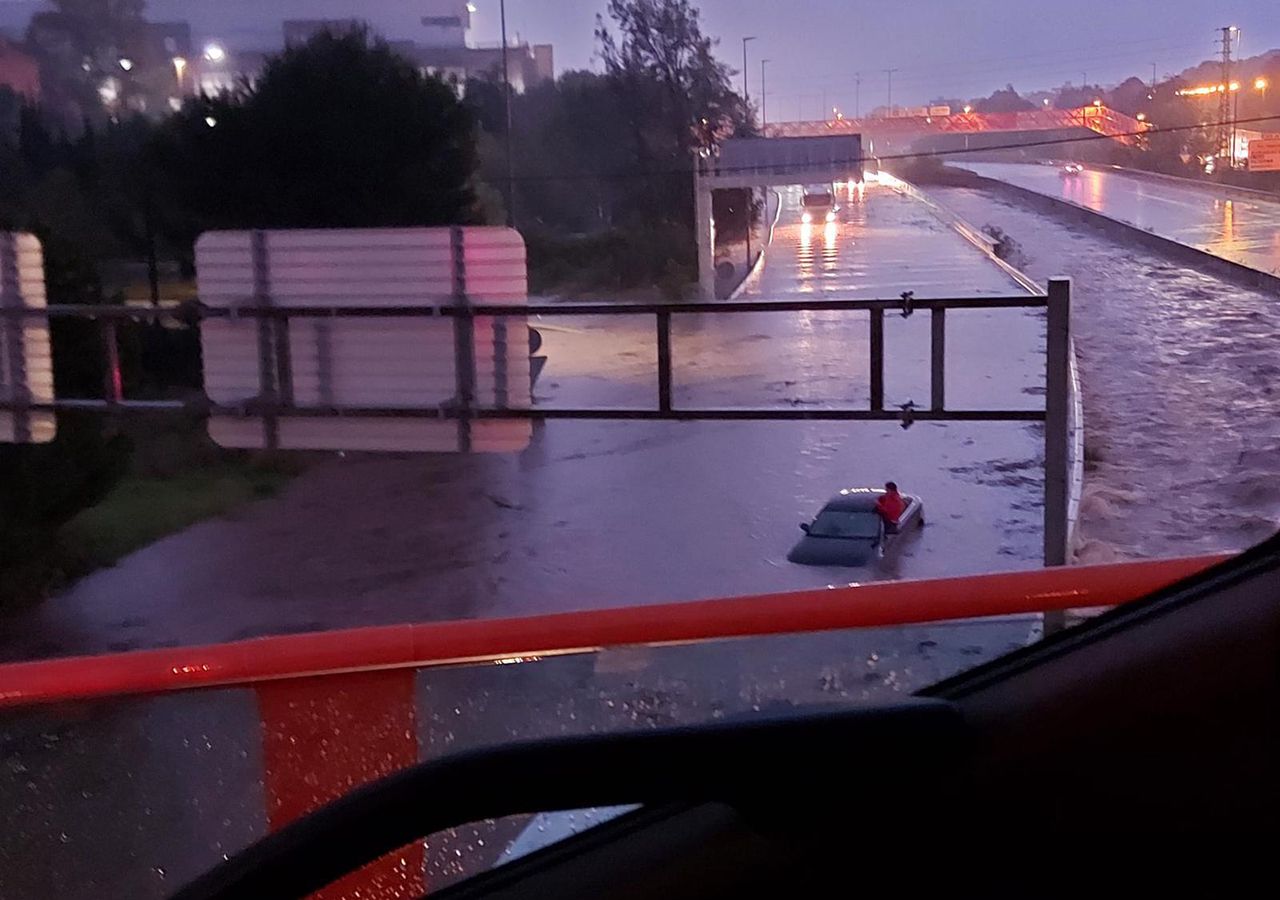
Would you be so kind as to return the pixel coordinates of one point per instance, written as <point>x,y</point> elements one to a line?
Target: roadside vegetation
<point>603,162</point>
<point>338,132</point>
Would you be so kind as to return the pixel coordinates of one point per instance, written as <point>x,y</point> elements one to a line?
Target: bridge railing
<point>149,768</point>
<point>1100,119</point>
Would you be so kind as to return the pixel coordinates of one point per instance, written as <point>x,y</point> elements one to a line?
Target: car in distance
<point>849,532</point>
<point>819,204</point>
<point>1071,170</point>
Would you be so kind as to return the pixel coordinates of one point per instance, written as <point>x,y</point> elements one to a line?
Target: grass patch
<point>142,509</point>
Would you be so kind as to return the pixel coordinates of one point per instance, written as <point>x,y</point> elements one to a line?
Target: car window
<point>484,317</point>
<point>844,524</point>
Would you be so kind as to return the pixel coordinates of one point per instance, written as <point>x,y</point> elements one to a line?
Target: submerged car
<point>1070,170</point>
<point>849,532</point>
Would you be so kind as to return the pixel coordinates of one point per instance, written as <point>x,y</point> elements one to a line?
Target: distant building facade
<point>447,51</point>
<point>19,71</point>
<point>160,64</point>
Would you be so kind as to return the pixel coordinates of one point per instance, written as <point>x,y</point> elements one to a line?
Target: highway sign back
<point>1264,155</point>
<point>26,361</point>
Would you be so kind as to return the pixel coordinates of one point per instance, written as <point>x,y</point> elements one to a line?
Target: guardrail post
<point>464,342</point>
<point>938,354</point>
<point>664,361</point>
<point>877,360</point>
<point>704,229</point>
<point>323,738</point>
<point>267,369</point>
<point>112,380</point>
<point>1057,434</point>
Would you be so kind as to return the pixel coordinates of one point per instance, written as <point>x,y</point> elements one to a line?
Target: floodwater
<point>608,514</point>
<point>1235,225</point>
<point>150,792</point>
<point>1180,374</point>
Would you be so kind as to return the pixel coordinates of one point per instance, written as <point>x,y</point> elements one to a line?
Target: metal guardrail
<point>271,405</point>
<point>334,653</point>
<point>465,314</point>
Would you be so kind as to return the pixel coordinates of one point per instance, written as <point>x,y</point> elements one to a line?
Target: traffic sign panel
<point>307,380</point>
<point>26,360</point>
<point>1264,155</point>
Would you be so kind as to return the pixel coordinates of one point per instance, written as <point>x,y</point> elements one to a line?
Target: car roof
<point>855,500</point>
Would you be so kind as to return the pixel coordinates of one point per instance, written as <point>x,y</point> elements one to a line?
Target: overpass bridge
<point>793,153</point>
<point>972,129</point>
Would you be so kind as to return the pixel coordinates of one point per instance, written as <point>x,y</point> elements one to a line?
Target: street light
<point>764,94</point>
<point>506,99</point>
<point>215,52</point>
<point>126,64</point>
<point>746,98</point>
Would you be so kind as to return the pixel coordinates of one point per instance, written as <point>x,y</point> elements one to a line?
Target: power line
<point>1045,58</point>
<point>931,154</point>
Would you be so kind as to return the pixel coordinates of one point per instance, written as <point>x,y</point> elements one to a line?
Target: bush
<point>44,487</point>
<point>627,257</point>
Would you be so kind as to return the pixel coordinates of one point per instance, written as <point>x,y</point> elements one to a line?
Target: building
<point>19,72</point>
<point>299,31</point>
<point>216,70</point>
<point>447,23</point>
<point>445,48</point>
<point>528,65</point>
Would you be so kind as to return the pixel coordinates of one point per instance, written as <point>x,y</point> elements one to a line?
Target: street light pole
<point>890,72</point>
<point>506,96</point>
<point>751,194</point>
<point>764,94</point>
<point>1235,117</point>
<point>857,95</point>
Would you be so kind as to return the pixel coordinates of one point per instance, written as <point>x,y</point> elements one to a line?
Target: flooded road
<point>1234,225</point>
<point>1181,384</point>
<point>155,791</point>
<point>608,514</point>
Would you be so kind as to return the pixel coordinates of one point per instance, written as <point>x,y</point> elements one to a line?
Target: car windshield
<point>381,380</point>
<point>840,523</point>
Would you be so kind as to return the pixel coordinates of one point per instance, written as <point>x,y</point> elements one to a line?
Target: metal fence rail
<point>274,369</point>
<point>331,654</point>
<point>463,315</point>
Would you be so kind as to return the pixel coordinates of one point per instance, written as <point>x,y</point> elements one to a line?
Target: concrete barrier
<point>1075,402</point>
<point>753,274</point>
<point>1183,253</point>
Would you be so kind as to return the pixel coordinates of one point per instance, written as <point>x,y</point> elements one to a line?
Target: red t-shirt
<point>891,506</point>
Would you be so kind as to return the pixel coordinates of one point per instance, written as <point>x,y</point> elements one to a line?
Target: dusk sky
<point>940,47</point>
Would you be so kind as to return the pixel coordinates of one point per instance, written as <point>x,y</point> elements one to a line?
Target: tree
<point>1070,96</point>
<point>1006,100</point>
<point>11,105</point>
<point>664,68</point>
<point>337,132</point>
<point>675,97</point>
<point>1131,96</point>
<point>79,45</point>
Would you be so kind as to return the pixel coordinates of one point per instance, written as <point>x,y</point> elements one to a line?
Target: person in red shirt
<point>891,506</point>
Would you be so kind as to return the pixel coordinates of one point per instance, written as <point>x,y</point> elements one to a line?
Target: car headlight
<point>807,218</point>
<point>831,217</point>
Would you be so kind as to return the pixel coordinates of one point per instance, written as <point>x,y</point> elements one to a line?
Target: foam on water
<point>1181,381</point>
